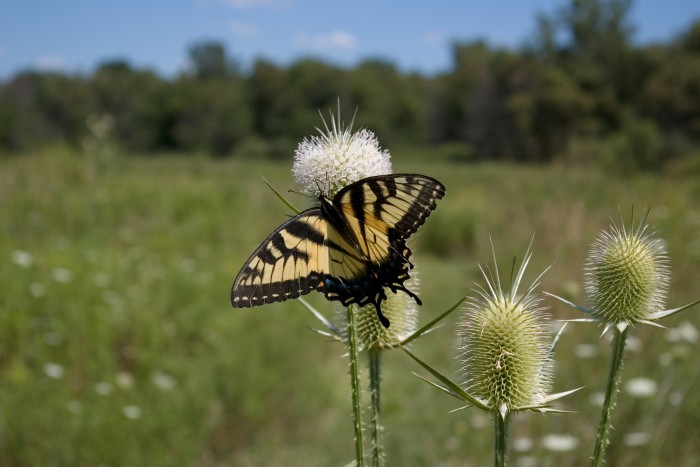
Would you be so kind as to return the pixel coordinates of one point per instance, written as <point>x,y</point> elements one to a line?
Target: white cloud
<point>433,38</point>
<point>251,4</point>
<point>336,39</point>
<point>243,29</point>
<point>53,62</point>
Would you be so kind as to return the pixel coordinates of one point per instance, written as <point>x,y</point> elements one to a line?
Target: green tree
<point>391,104</point>
<point>210,117</point>
<point>209,60</point>
<point>133,98</point>
<point>39,108</point>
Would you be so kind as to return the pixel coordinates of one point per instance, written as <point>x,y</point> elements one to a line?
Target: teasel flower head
<point>338,157</point>
<point>626,278</point>
<point>504,346</point>
<point>626,275</point>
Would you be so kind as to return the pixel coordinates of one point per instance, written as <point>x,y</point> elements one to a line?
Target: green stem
<point>355,387</point>
<point>501,438</point>
<point>374,385</point>
<point>614,377</point>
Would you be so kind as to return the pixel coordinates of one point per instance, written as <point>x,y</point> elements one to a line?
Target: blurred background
<point>133,138</point>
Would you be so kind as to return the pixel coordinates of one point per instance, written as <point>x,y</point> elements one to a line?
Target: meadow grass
<point>118,345</point>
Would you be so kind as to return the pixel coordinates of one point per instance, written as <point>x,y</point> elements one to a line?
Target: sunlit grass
<point>118,344</point>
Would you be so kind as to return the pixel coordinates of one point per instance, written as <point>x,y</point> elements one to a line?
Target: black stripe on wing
<point>291,262</point>
<point>401,201</point>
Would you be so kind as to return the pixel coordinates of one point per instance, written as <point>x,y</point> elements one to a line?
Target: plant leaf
<point>282,198</point>
<point>428,327</point>
<point>464,395</point>
<point>321,318</point>
<point>571,304</point>
<point>556,340</point>
<point>559,395</point>
<point>663,314</point>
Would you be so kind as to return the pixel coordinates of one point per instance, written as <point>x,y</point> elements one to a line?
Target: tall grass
<point>118,345</point>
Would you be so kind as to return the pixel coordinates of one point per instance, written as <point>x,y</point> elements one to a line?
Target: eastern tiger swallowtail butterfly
<point>349,248</point>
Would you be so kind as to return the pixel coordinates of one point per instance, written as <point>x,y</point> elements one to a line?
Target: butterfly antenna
<point>305,195</point>
<point>320,188</point>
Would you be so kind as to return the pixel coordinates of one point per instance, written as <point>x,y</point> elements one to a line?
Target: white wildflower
<point>163,381</point>
<point>61,275</point>
<point>641,387</point>
<point>103,388</point>
<point>54,370</point>
<point>559,443</point>
<point>22,258</point>
<point>637,439</point>
<point>132,412</point>
<point>124,380</point>
<point>325,164</point>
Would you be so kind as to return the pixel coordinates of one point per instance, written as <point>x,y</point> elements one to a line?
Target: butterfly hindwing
<point>291,262</point>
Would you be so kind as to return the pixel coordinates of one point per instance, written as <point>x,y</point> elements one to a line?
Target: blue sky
<point>76,35</point>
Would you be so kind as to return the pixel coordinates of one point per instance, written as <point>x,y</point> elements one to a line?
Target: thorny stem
<point>614,377</point>
<point>355,387</point>
<point>501,438</point>
<point>374,385</point>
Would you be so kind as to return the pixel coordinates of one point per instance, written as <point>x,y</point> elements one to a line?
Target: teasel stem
<point>501,438</point>
<point>355,386</point>
<point>375,356</point>
<point>614,377</point>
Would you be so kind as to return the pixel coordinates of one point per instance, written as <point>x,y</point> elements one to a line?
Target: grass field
<point>118,345</point>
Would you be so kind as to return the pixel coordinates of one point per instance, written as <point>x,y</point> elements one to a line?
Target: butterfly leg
<point>383,319</point>
<point>397,287</point>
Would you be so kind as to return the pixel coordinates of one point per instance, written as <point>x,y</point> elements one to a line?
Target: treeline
<point>578,89</point>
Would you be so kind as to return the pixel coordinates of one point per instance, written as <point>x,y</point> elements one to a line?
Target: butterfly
<point>350,248</point>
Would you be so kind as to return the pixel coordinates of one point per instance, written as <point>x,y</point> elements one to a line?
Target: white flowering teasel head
<point>626,275</point>
<point>325,164</point>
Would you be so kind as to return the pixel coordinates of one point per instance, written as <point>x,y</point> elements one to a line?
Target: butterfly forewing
<point>291,262</point>
<point>384,208</point>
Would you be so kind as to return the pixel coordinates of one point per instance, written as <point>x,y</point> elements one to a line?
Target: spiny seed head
<point>504,352</point>
<point>324,164</point>
<point>399,308</point>
<point>626,275</point>
<point>503,346</point>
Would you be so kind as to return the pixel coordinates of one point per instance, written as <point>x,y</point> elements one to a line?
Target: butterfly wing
<point>381,213</point>
<point>382,209</point>
<point>291,262</point>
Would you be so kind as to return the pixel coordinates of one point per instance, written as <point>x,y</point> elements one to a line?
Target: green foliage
<point>578,77</point>
<point>637,146</point>
<point>209,61</point>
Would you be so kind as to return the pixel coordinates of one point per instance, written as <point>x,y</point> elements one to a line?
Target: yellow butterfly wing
<point>291,262</point>
<point>380,210</point>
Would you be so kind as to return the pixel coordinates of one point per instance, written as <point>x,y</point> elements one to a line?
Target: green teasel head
<point>504,346</point>
<point>626,275</point>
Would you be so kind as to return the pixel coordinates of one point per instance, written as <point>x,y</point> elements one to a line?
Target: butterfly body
<point>350,248</point>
